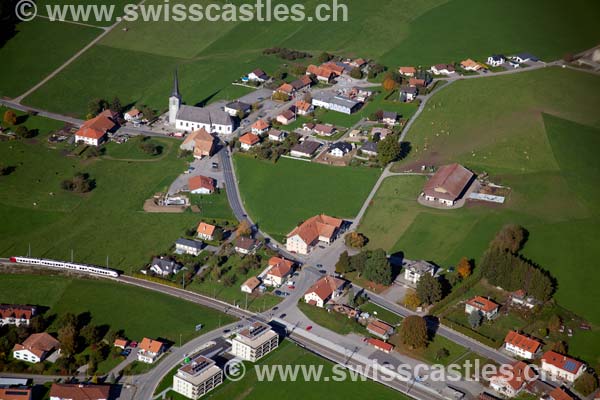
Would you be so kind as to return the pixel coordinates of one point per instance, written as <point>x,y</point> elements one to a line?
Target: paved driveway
<point>200,167</point>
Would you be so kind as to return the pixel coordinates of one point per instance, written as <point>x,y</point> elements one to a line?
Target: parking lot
<point>199,167</point>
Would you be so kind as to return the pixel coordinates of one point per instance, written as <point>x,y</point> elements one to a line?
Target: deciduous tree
<point>429,289</point>
<point>413,332</point>
<point>464,267</point>
<point>411,300</point>
<point>244,229</point>
<point>378,268</point>
<point>355,240</point>
<point>343,264</point>
<point>389,84</point>
<point>587,383</point>
<point>389,149</point>
<point>475,319</point>
<point>554,323</point>
<point>10,117</point>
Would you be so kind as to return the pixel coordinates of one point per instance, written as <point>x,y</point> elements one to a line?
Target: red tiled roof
<point>97,127</point>
<point>325,287</point>
<point>280,267</point>
<point>151,345</point>
<point>407,70</point>
<point>16,311</point>
<point>15,393</point>
<point>523,342</point>
<point>562,362</point>
<point>518,375</point>
<point>379,327</point>
<point>206,229</point>
<point>38,344</point>
<point>320,225</point>
<point>79,391</point>
<point>559,394</point>
<point>380,344</point>
<point>201,182</point>
<point>261,125</point>
<point>286,88</point>
<point>482,304</point>
<point>252,283</point>
<point>250,139</point>
<point>448,182</point>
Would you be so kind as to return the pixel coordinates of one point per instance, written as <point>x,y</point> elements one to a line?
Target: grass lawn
<point>26,58</point>
<point>137,311</point>
<point>331,320</point>
<point>429,353</point>
<point>214,206</point>
<point>381,313</point>
<point>35,210</point>
<point>279,196</point>
<point>131,151</point>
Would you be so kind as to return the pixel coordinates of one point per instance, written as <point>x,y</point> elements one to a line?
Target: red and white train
<point>85,268</point>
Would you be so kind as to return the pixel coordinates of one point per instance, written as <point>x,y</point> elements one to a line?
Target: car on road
<point>291,287</point>
<point>226,330</point>
<point>319,265</point>
<point>275,308</point>
<point>322,271</point>
<point>308,328</point>
<point>277,293</point>
<point>215,165</point>
<point>321,247</point>
<point>282,316</point>
<point>126,352</point>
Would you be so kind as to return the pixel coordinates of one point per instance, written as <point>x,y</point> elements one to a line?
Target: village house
<point>320,228</point>
<point>276,135</point>
<point>381,133</point>
<point>248,141</point>
<point>380,329</point>
<point>250,285</point>
<point>286,89</point>
<point>339,149</point>
<point>360,94</point>
<point>415,270</point>
<point>416,82</point>
<point>15,393</point>
<point>326,289</point>
<point>524,57</point>
<point>189,247</point>
<point>380,345</point>
<point>305,149</point>
<point>407,71</point>
<point>259,127</point>
<point>370,149</point>
<point>339,104</point>
<point>150,350</point>
<point>442,69</point>
<point>121,343</point>
<point>470,65</point>
<point>238,108</point>
<point>278,271</point>
<point>511,382</point>
<point>557,367</point>
<point>19,315</point>
<point>202,143</point>
<point>558,394</point>
<point>304,82</point>
<point>95,131</point>
<point>324,129</point>
<point>448,184</point>
<point>286,117</point>
<point>198,377</point>
<point>337,68</point>
<point>201,185</point>
<point>486,307</point>
<point>408,93</point>
<point>245,245</point>
<point>164,267</point>
<point>496,60</point>
<point>389,117</point>
<point>358,63</point>
<point>134,116</point>
<point>254,342</point>
<point>303,108</point>
<point>519,298</point>
<point>522,346</point>
<point>36,348</point>
<point>258,75</point>
<point>206,231</point>
<point>79,391</point>
<point>190,118</point>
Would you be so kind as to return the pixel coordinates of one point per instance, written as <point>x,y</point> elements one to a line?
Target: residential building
<point>339,104</point>
<point>418,83</point>
<point>302,83</point>
<point>254,342</point>
<point>121,343</point>
<point>512,381</point>
<point>277,135</point>
<point>370,149</point>
<point>324,129</point>
<point>15,393</point>
<point>320,228</point>
<point>134,115</point>
<point>337,68</point>
<point>279,270</point>
<point>415,270</point>
<point>238,109</point>
<point>164,267</point>
<point>150,350</point>
<point>486,307</point>
<point>305,149</point>
<point>303,107</point>
<point>496,60</point>
<point>95,131</point>
<point>358,63</point>
<point>322,74</point>
<point>250,285</point>
<point>407,71</point>
<point>189,247</point>
<point>287,89</point>
<point>562,368</point>
<point>79,391</point>
<point>36,348</point>
<point>380,329</point>
<point>197,378</point>
<point>261,126</point>
<point>286,117</point>
<point>201,185</point>
<point>524,57</point>
<point>380,345</point>
<point>326,289</point>
<point>558,394</point>
<point>258,75</point>
<point>244,245</point>
<point>521,345</point>
<point>520,298</point>
<point>248,141</point>
<point>470,65</point>
<point>448,184</point>
<point>408,93</point>
<point>443,69</point>
<point>206,231</point>
<point>339,149</point>
<point>14,314</point>
<point>389,118</point>
<point>202,143</point>
<point>380,133</point>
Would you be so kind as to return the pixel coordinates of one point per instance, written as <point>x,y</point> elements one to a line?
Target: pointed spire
<point>175,92</point>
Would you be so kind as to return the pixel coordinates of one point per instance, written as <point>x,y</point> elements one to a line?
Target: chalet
<point>415,270</point>
<point>248,141</point>
<point>201,185</point>
<point>486,307</point>
<point>279,269</point>
<point>496,60</point>
<point>121,343</point>
<point>206,231</point>
<point>94,131</point>
<point>521,345</point>
<point>408,93</point>
<point>380,329</point>
<point>150,350</point>
<point>337,68</point>
<point>244,245</point>
<point>250,285</point>
<point>258,75</point>
<point>320,228</point>
<point>36,348</point>
<point>407,71</point>
<point>189,247</point>
<point>470,65</point>
<point>370,149</point>
<point>276,135</point>
<point>19,315</point>
<point>324,129</point>
<point>259,127</point>
<point>164,267</point>
<point>322,74</point>
<point>339,149</point>
<point>305,149</point>
<point>511,381</point>
<point>79,391</point>
<point>238,108</point>
<point>202,143</point>
<point>448,184</point>
<point>443,69</point>
<point>286,117</point>
<point>324,290</point>
<point>561,368</point>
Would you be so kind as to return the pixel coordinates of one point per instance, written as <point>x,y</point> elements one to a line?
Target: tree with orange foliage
<point>464,268</point>
<point>244,229</point>
<point>389,84</point>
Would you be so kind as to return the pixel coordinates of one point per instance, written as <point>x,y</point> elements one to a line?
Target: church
<point>189,118</point>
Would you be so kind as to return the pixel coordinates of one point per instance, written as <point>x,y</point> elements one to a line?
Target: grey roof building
<point>369,148</point>
<point>164,267</point>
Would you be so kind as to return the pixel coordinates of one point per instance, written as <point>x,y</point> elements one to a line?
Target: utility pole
<point>29,251</point>
<point>180,340</point>
<point>107,261</point>
<point>71,255</point>
<point>246,301</point>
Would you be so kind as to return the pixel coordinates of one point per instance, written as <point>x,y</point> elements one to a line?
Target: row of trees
<point>287,54</point>
<point>372,265</point>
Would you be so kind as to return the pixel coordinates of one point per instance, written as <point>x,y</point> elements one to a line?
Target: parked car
<point>308,328</point>
<point>133,345</point>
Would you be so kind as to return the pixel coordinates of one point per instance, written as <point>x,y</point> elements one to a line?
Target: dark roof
<point>343,146</point>
<point>204,115</point>
<point>498,57</point>
<point>260,73</point>
<point>238,105</point>
<point>175,91</point>
<point>449,182</point>
<point>390,115</point>
<point>189,243</point>
<point>245,243</point>
<point>307,147</point>
<point>369,146</point>
<point>165,265</point>
<point>409,89</point>
<point>526,56</point>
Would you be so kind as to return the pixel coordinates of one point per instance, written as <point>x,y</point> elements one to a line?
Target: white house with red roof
<point>12,314</point>
<point>201,185</point>
<point>36,348</point>
<point>486,307</point>
<point>513,379</point>
<point>248,141</point>
<point>149,350</point>
<point>324,290</point>
<point>278,270</point>
<point>94,131</point>
<point>261,126</point>
<point>521,345</point>
<point>562,368</point>
<point>320,228</point>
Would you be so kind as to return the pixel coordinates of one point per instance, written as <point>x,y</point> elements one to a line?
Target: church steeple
<point>175,92</point>
<point>174,101</point>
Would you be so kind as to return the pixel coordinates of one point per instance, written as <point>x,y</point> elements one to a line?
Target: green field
<point>137,311</point>
<point>536,133</point>
<point>108,221</point>
<point>279,196</point>
<point>210,55</point>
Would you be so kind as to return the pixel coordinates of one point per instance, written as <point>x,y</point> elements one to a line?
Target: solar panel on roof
<point>570,366</point>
